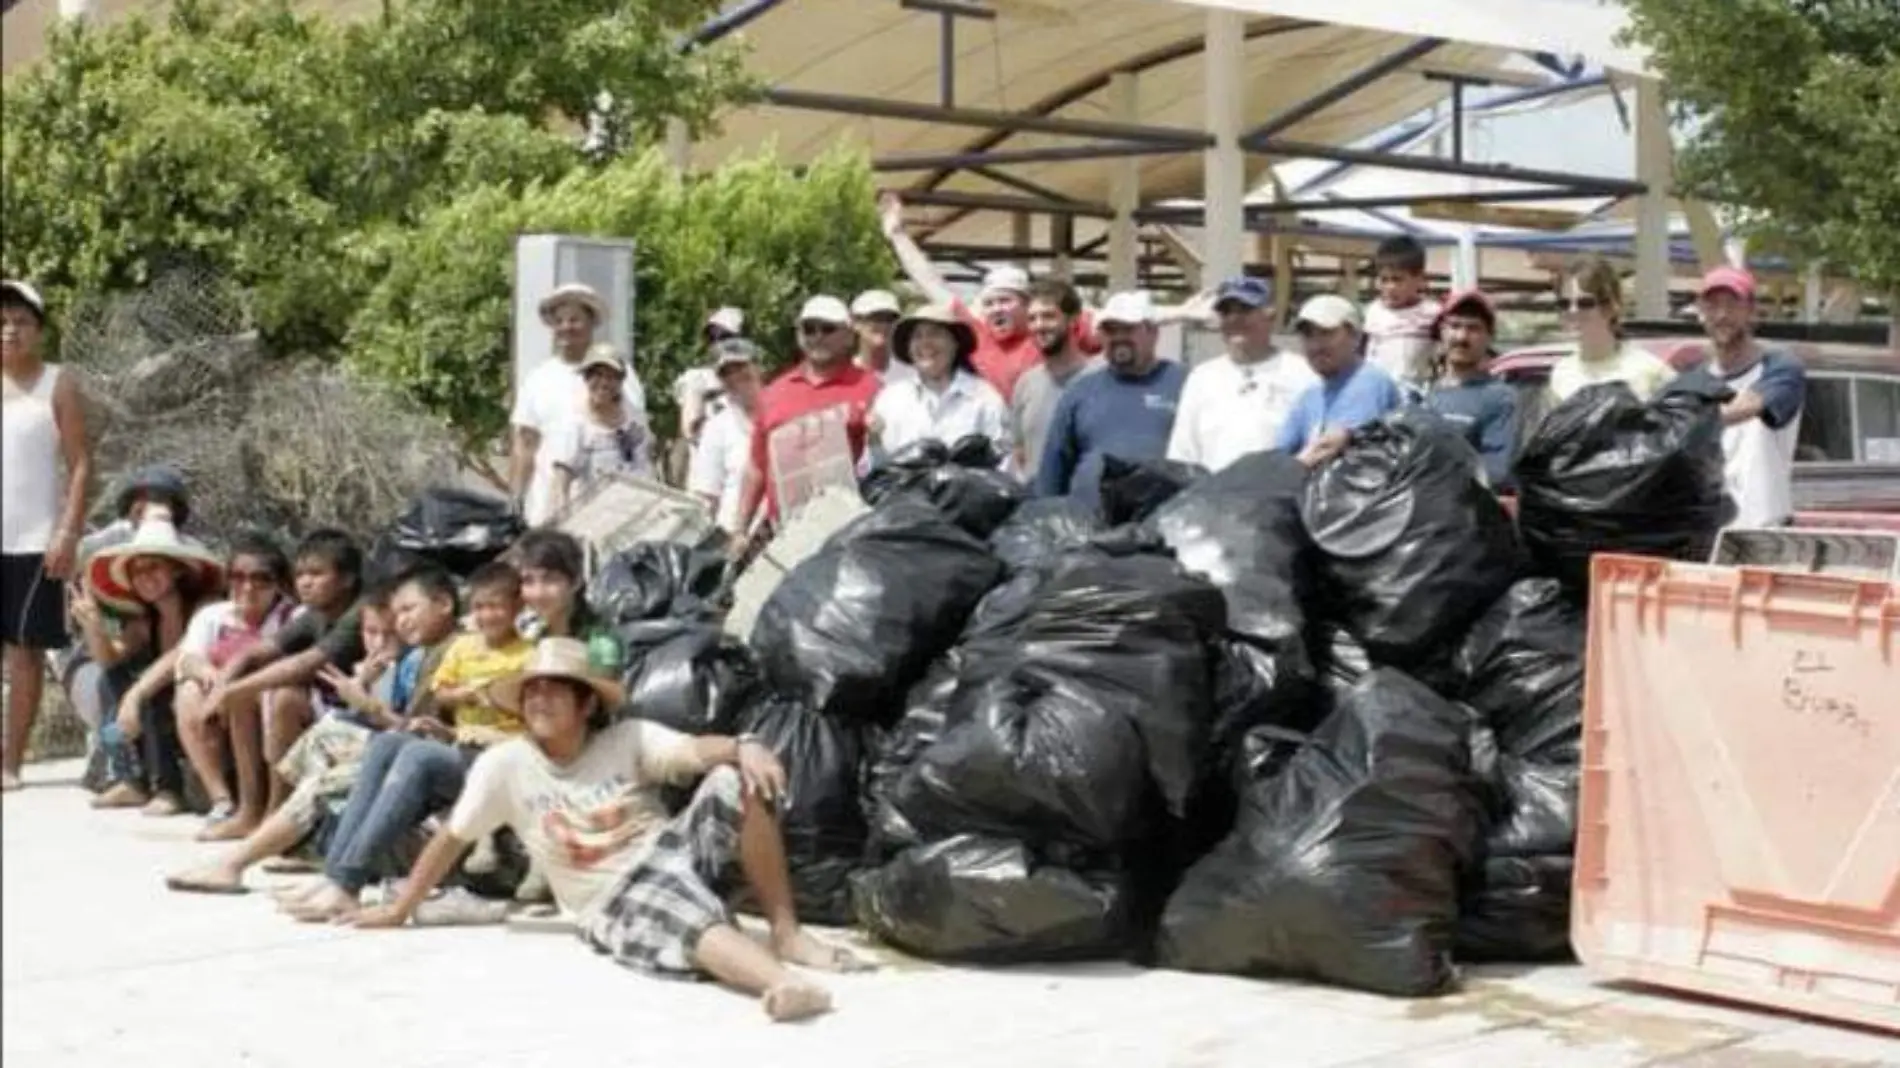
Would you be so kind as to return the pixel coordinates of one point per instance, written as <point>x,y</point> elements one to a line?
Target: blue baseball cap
<point>1250,292</point>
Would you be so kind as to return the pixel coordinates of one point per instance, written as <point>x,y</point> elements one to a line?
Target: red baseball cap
<point>1733,279</point>
<point>1464,298</point>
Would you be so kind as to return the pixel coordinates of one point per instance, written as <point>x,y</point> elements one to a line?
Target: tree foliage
<point>751,234</point>
<point>244,136</point>
<point>1795,111</point>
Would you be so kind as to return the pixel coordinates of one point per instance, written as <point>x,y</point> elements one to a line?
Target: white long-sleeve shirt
<point>912,411</point>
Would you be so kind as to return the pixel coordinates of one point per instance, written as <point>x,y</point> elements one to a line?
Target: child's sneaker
<point>484,858</point>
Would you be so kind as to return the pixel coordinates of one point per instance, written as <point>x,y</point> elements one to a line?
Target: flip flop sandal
<point>187,885</point>
<point>289,866</point>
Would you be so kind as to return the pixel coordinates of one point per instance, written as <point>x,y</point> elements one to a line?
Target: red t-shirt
<point>796,394</point>
<point>1001,361</point>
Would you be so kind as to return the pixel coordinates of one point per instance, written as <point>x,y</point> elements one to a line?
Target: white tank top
<point>29,465</point>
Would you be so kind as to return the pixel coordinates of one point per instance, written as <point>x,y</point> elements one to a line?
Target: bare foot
<point>163,805</point>
<point>207,881</point>
<point>121,795</point>
<point>795,999</point>
<point>229,830</point>
<point>331,903</point>
<point>799,947</point>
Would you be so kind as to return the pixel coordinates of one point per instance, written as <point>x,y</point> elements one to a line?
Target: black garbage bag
<point>1066,728</point>
<point>1521,668</point>
<point>1412,546</point>
<point>657,580</point>
<point>926,710</point>
<point>991,901</point>
<point>1131,490</point>
<point>822,820</point>
<point>1607,473</point>
<point>689,676</point>
<point>1338,656</point>
<point>1518,911</point>
<point>962,481</point>
<point>456,529</point>
<point>1343,865</point>
<point>856,624</point>
<point>1534,809</point>
<point>1043,529</point>
<point>385,562</point>
<point>1240,528</point>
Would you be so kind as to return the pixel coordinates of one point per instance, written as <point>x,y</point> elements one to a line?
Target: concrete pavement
<point>102,966</point>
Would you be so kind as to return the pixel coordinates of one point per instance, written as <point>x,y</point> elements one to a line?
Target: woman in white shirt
<point>1592,303</point>
<point>946,402</point>
<point>606,437</point>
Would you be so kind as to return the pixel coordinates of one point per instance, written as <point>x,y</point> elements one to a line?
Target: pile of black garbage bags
<point>1263,722</point>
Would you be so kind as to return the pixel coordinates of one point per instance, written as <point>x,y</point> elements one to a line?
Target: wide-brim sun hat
<point>557,658</point>
<point>942,315</point>
<point>573,293</point>
<point>603,356</point>
<point>109,572</point>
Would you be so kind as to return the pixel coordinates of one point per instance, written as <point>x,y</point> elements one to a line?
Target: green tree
<point>1793,108</point>
<point>753,234</point>
<point>279,147</point>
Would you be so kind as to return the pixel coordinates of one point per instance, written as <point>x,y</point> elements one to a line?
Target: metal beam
<point>1340,90</point>
<point>1191,214</point>
<point>948,198</point>
<point>1429,165</point>
<point>910,111</point>
<point>956,161</point>
<point>1021,185</point>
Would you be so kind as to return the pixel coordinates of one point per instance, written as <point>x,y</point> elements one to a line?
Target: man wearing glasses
<point>804,411</point>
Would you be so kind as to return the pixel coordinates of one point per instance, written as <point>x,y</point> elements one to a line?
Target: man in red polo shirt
<point>802,411</point>
<point>1004,347</point>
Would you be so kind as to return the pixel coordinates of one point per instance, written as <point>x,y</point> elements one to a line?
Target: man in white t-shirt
<point>1762,422</point>
<point>1236,403</point>
<point>554,392</point>
<point>874,315</point>
<point>584,798</point>
<point>725,443</point>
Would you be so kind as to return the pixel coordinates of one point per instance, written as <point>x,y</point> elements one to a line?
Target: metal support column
<point>70,10</point>
<point>679,146</point>
<point>1022,237</point>
<point>1653,167</point>
<point>1124,186</point>
<point>1224,177</point>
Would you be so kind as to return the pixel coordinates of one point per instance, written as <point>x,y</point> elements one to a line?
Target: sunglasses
<point>1579,304</point>
<point>818,329</point>
<point>252,578</point>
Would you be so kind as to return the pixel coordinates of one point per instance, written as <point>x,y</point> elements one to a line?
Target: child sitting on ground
<point>495,650</point>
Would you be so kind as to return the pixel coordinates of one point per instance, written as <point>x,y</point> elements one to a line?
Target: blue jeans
<point>403,778</point>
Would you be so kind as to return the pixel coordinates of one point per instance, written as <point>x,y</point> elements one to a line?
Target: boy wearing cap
<point>1236,403</point>
<point>1464,393</point>
<point>603,438</point>
<point>555,392</point>
<point>1762,422</point>
<point>826,388</point>
<point>42,509</point>
<point>725,444</point>
<point>874,314</point>
<point>1126,411</point>
<point>583,794</point>
<point>1351,391</point>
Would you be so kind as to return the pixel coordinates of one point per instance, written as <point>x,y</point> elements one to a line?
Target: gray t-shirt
<point>1034,404</point>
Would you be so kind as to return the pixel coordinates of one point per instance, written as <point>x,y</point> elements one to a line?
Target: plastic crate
<point>1855,554</point>
<point>1739,821</point>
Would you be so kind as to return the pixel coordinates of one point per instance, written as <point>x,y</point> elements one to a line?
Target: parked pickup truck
<point>1847,459</point>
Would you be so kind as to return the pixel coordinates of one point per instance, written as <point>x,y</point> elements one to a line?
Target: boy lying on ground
<point>584,798</point>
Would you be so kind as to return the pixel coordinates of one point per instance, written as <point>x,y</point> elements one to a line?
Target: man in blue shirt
<point>1126,410</point>
<point>1462,390</point>
<point>1350,392</point>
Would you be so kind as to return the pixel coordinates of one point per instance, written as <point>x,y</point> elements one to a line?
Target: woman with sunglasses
<point>1592,304</point>
<point>159,579</point>
<point>605,437</point>
<point>259,578</point>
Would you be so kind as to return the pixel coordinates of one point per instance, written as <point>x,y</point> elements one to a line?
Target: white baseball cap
<point>27,295</point>
<point>875,302</point>
<point>729,319</point>
<point>1328,311</point>
<point>825,309</point>
<point>1006,280</point>
<point>1130,308</point>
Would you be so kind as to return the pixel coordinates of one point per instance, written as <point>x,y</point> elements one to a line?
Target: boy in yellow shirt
<point>495,650</point>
